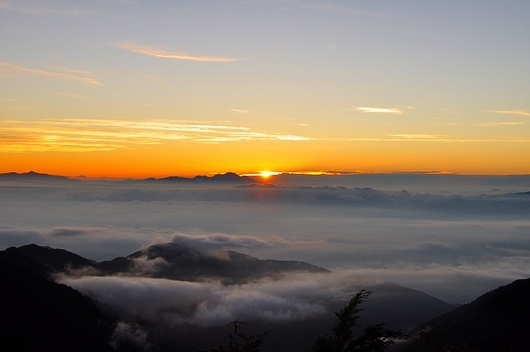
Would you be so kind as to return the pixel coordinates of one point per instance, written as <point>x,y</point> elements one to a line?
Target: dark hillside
<point>38,314</point>
<point>55,259</point>
<point>496,321</point>
<point>184,263</point>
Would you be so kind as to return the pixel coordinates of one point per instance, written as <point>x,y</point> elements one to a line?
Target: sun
<point>266,174</point>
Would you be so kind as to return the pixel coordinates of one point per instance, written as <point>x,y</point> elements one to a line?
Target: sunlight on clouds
<point>512,112</point>
<point>152,51</point>
<point>420,136</point>
<point>241,111</point>
<point>86,77</point>
<point>73,96</point>
<point>495,124</point>
<point>380,110</point>
<point>78,135</point>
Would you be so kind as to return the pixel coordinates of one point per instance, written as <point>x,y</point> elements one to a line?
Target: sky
<point>156,88</point>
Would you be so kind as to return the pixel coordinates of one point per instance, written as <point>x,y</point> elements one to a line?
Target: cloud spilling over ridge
<point>210,303</point>
<point>223,241</point>
<point>294,297</point>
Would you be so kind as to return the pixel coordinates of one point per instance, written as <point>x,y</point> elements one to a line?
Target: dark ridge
<point>229,177</point>
<point>183,263</point>
<point>58,260</point>
<point>115,266</point>
<point>39,314</point>
<point>32,176</point>
<point>496,321</point>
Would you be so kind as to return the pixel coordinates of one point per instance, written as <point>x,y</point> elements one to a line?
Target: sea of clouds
<point>452,237</point>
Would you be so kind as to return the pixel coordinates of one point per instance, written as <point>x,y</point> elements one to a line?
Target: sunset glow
<point>173,171</point>
<point>371,88</point>
<point>267,174</point>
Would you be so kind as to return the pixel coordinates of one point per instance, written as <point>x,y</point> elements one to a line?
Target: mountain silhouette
<point>228,177</point>
<point>177,262</point>
<point>39,314</point>
<point>32,176</point>
<point>496,321</point>
<point>57,260</point>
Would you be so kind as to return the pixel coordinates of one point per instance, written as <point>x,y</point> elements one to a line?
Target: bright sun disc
<point>267,174</point>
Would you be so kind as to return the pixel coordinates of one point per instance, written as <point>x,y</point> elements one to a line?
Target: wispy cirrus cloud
<point>82,135</point>
<point>240,111</point>
<point>379,110</point>
<point>81,76</point>
<point>511,112</point>
<point>497,124</point>
<point>73,96</point>
<point>156,52</point>
<point>433,139</point>
<point>420,136</point>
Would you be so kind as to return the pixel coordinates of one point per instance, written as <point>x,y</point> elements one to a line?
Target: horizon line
<point>269,174</point>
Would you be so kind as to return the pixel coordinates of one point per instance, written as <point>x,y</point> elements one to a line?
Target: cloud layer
<point>430,232</point>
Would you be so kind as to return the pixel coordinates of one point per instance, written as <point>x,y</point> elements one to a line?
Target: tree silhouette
<point>375,338</point>
<point>243,343</point>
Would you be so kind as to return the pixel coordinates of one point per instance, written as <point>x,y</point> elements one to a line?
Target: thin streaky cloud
<point>419,136</point>
<point>496,124</point>
<point>82,135</point>
<point>512,112</point>
<point>240,111</point>
<point>17,107</point>
<point>379,110</point>
<point>74,71</point>
<point>432,138</point>
<point>9,68</point>
<point>448,124</point>
<point>73,96</point>
<point>156,52</point>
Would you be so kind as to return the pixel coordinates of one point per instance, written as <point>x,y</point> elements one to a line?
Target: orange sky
<point>141,89</point>
<point>184,159</point>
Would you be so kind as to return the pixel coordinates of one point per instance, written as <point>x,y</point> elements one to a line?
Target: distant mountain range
<point>229,177</point>
<point>38,312</point>
<point>31,176</point>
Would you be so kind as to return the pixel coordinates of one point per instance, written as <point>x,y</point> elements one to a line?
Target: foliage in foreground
<point>241,342</point>
<point>375,338</point>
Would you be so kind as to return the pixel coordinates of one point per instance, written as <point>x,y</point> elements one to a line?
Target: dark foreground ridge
<point>496,321</point>
<point>38,314</point>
